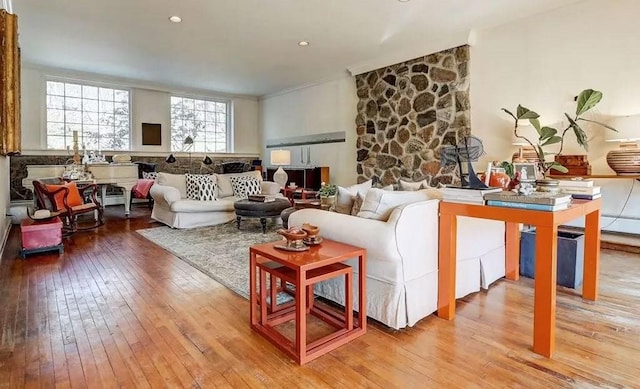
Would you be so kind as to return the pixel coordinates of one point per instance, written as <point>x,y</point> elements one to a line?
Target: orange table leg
<point>512,253</point>
<point>591,256</point>
<point>348,305</point>
<point>263,297</point>
<point>301,317</point>
<point>362,291</point>
<point>252,288</point>
<point>447,266</point>
<point>544,309</point>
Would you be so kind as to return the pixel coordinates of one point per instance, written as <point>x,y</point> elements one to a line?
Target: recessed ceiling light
<point>303,43</point>
<point>404,1</point>
<point>175,19</point>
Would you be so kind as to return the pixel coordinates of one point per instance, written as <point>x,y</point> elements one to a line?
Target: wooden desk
<point>544,310</point>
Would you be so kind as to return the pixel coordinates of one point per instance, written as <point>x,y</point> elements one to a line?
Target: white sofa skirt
<point>190,219</point>
<point>394,305</point>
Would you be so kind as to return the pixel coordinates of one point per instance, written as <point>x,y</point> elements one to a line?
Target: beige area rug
<point>221,252</point>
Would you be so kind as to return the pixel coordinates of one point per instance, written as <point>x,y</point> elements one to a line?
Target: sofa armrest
<point>164,194</point>
<point>270,187</point>
<point>409,237</point>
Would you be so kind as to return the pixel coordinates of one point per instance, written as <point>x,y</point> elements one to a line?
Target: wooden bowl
<point>292,234</point>
<point>311,230</point>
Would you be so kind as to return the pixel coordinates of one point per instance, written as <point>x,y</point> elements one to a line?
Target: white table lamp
<point>624,160</point>
<point>280,158</point>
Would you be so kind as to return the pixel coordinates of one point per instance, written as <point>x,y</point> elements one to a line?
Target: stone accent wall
<point>406,112</point>
<point>19,168</point>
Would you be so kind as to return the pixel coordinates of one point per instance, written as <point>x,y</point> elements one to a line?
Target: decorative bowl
<point>293,234</point>
<point>310,229</point>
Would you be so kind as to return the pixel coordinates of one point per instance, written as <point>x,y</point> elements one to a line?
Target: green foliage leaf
<point>535,123</point>
<point>552,140</point>
<point>547,132</point>
<point>598,123</point>
<point>510,114</point>
<point>581,136</point>
<point>587,99</point>
<point>526,113</point>
<point>540,152</point>
<point>508,168</point>
<point>558,167</point>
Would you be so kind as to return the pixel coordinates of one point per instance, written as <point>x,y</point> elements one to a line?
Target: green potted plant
<point>586,100</point>
<point>327,194</point>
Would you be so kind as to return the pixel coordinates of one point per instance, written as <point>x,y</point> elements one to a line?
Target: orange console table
<point>544,311</point>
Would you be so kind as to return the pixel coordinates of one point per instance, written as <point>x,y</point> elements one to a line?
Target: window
<point>100,116</point>
<point>205,121</point>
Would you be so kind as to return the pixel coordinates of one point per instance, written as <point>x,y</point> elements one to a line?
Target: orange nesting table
<point>544,310</point>
<point>303,269</point>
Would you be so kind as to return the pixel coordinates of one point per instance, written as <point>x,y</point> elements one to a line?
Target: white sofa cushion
<point>194,182</point>
<point>207,191</point>
<point>378,204</point>
<point>177,181</point>
<point>224,184</point>
<point>346,196</point>
<point>412,186</point>
<point>197,206</point>
<point>244,186</point>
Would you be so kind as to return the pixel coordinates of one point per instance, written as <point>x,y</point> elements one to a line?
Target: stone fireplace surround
<point>407,112</point>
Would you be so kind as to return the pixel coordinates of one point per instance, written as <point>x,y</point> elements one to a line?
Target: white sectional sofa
<point>402,258</point>
<point>173,208</point>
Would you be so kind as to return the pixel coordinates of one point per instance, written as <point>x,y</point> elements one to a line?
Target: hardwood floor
<point>118,311</point>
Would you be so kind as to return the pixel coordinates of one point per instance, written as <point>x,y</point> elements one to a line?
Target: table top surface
<point>326,253</point>
<point>576,209</point>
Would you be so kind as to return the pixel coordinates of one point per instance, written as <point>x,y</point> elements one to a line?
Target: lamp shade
<point>529,132</point>
<point>281,157</point>
<point>628,129</point>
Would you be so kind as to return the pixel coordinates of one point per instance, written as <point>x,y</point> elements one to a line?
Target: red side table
<point>41,236</point>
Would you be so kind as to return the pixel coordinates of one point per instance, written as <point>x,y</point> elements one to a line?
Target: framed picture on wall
<point>527,171</point>
<point>151,134</point>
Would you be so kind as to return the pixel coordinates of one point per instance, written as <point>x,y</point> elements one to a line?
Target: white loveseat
<point>402,258</point>
<point>173,208</point>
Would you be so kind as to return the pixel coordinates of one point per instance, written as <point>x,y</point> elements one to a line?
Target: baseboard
<point>5,237</point>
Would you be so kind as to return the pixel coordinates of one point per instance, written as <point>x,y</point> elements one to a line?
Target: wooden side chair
<point>141,190</point>
<point>68,200</point>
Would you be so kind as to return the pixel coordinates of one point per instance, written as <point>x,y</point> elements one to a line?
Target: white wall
<point>322,108</point>
<point>541,62</point>
<point>149,104</point>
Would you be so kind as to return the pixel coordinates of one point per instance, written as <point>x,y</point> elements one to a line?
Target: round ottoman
<point>257,209</point>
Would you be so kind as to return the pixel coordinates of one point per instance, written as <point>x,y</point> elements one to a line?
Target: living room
<point>280,74</point>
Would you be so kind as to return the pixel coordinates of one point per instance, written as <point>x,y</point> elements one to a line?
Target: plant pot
<point>328,200</point>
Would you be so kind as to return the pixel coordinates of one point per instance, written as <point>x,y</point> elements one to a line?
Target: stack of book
<point>453,194</point>
<point>580,189</point>
<point>538,201</point>
<point>262,198</point>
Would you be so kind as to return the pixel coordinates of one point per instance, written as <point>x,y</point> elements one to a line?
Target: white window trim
<point>43,95</point>
<point>215,99</point>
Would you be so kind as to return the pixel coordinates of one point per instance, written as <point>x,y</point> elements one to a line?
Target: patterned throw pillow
<point>207,191</point>
<point>193,183</point>
<point>243,186</point>
<point>150,175</point>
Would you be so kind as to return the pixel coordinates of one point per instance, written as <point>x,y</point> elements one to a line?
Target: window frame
<point>83,82</point>
<point>228,124</point>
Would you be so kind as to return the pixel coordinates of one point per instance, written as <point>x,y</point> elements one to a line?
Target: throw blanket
<point>141,190</point>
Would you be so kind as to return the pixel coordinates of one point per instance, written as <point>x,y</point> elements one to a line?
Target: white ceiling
<point>247,46</point>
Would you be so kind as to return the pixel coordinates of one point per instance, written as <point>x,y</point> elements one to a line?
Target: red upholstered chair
<point>63,202</point>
